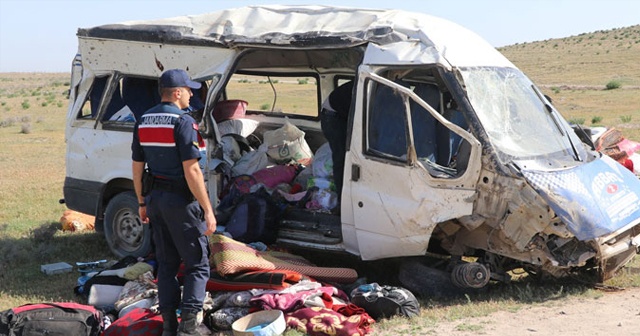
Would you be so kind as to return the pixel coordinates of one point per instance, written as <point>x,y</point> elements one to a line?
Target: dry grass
<point>587,59</point>
<point>575,70</point>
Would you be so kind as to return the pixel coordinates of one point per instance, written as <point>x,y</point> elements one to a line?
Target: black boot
<point>169,323</point>
<point>189,323</point>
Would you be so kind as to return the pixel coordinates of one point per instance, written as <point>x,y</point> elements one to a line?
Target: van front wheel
<point>123,230</point>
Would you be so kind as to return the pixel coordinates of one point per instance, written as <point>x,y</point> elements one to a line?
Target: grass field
<point>574,71</point>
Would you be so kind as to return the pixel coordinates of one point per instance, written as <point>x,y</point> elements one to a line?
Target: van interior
<point>292,85</point>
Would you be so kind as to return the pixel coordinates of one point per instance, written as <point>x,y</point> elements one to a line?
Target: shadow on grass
<point>21,280</point>
<point>522,290</point>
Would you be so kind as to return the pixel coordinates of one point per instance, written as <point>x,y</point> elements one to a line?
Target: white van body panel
<point>147,59</point>
<point>396,207</point>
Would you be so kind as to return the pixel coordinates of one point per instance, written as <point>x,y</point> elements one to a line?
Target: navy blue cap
<point>177,78</point>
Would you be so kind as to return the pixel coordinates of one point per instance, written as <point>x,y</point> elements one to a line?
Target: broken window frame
<point>410,158</point>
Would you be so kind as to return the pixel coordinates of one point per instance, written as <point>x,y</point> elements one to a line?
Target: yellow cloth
<point>134,271</point>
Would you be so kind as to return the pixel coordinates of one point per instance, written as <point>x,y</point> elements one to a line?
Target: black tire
<point>427,282</point>
<point>123,230</point>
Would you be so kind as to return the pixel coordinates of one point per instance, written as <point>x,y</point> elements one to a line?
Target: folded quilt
<point>232,257</point>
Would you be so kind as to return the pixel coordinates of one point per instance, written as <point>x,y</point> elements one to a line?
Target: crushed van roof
<point>309,26</point>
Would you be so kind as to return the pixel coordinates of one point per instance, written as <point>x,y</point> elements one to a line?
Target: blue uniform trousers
<point>178,235</point>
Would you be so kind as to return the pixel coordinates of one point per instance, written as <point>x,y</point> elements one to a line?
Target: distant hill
<point>589,59</point>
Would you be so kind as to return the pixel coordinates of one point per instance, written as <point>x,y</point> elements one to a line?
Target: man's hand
<point>137,168</point>
<point>142,212</point>
<point>210,219</point>
<point>195,180</point>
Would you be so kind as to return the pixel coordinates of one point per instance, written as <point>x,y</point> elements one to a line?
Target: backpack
<point>63,318</point>
<point>385,301</point>
<point>254,218</point>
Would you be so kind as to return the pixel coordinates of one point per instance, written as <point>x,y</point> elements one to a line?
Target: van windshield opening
<point>517,121</point>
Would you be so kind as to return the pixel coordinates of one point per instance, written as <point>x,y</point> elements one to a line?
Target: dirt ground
<point>612,314</point>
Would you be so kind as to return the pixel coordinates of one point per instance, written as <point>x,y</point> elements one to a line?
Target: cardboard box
<point>61,267</point>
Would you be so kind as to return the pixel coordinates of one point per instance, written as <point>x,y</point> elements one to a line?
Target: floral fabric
<point>319,321</point>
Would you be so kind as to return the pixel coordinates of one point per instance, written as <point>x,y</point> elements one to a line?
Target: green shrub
<point>25,105</point>
<point>625,118</point>
<point>555,89</point>
<point>577,120</point>
<point>596,119</point>
<point>303,81</point>
<point>613,84</point>
<point>265,107</point>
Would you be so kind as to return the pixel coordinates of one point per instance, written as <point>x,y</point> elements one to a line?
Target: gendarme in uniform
<point>175,202</point>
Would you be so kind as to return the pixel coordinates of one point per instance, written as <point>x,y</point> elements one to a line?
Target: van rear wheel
<point>123,230</point>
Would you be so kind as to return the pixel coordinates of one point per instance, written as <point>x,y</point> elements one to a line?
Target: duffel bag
<point>385,301</point>
<point>63,318</point>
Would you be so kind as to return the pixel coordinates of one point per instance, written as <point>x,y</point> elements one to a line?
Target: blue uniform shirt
<point>164,137</point>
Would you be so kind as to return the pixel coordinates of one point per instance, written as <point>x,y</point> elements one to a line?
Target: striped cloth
<point>232,257</point>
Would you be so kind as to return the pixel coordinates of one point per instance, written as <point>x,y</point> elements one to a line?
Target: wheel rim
<point>470,275</point>
<point>128,230</point>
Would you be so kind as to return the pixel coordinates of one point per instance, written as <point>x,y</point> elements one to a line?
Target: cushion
<point>231,256</point>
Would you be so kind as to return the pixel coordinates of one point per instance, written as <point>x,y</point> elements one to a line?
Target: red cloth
<point>288,302</point>
<point>137,322</point>
<point>276,280</point>
<point>628,164</point>
<point>272,176</point>
<point>349,309</point>
<point>318,321</point>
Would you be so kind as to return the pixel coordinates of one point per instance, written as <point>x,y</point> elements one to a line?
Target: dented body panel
<point>451,149</point>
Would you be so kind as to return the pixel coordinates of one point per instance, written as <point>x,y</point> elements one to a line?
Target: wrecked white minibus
<point>508,184</point>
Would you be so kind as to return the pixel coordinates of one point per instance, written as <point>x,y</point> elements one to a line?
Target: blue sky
<point>39,35</point>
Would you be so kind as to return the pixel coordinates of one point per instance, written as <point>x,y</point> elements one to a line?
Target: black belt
<point>174,186</point>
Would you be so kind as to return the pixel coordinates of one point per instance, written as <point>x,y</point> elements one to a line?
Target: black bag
<point>385,301</point>
<point>64,318</point>
<point>254,219</point>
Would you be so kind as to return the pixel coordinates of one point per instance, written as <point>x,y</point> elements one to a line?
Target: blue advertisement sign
<point>592,199</point>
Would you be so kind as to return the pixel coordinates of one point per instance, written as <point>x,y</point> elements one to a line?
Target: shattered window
<point>513,114</point>
<point>91,105</point>
<point>395,118</point>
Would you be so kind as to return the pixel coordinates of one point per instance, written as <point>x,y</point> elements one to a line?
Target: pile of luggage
<point>251,288</point>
